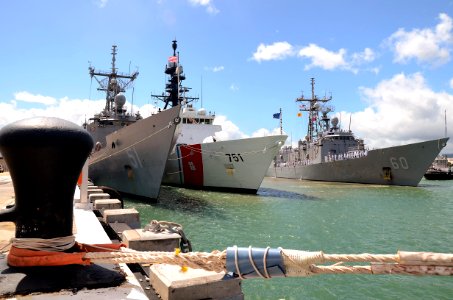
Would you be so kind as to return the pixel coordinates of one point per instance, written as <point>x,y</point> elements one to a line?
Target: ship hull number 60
<point>399,163</point>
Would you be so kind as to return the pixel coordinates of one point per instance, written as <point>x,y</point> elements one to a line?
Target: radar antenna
<point>314,107</point>
<point>112,82</point>
<point>175,93</point>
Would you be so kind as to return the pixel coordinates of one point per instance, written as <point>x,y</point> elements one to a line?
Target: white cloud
<point>275,51</point>
<point>101,3</point>
<point>210,8</point>
<point>367,55</point>
<point>28,97</point>
<point>432,46</point>
<point>215,69</point>
<point>319,56</point>
<point>74,110</point>
<point>234,87</point>
<point>323,58</point>
<point>229,130</point>
<point>266,132</point>
<point>402,110</point>
<point>451,83</point>
<point>218,69</point>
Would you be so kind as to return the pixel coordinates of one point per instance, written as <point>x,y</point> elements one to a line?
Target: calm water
<point>332,217</point>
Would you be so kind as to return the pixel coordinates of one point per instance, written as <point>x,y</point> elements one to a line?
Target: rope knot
<point>299,263</point>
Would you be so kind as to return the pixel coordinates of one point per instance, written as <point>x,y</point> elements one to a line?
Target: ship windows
<point>196,121</point>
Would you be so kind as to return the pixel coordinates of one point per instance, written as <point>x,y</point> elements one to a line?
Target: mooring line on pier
<point>245,262</point>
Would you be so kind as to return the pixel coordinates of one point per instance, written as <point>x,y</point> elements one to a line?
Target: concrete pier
<point>86,229</point>
<point>7,229</point>
<point>159,281</point>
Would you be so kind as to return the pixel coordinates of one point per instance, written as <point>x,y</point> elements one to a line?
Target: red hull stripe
<point>192,164</point>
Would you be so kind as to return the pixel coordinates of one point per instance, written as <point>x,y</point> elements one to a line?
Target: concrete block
<point>93,191</point>
<point>140,240</point>
<point>130,216</point>
<point>102,204</point>
<point>119,227</point>
<point>95,196</point>
<point>171,283</point>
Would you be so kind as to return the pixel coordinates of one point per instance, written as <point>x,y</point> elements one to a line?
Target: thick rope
<point>297,263</point>
<point>163,226</point>
<point>214,261</point>
<point>54,244</point>
<point>301,263</point>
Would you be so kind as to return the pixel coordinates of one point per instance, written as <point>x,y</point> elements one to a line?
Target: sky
<point>387,64</point>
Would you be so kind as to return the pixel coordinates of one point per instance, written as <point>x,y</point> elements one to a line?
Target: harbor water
<point>332,217</point>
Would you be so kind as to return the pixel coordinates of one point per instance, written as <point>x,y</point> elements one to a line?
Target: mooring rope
<point>214,261</point>
<point>54,244</point>
<point>298,263</point>
<point>171,227</point>
<point>254,262</point>
<point>179,158</point>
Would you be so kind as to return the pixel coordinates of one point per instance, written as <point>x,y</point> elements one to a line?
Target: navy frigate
<point>330,153</point>
<point>130,151</point>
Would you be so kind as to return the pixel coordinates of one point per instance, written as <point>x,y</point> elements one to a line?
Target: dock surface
<point>7,229</point>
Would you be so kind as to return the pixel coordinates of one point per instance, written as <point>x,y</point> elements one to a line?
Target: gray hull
<point>400,165</point>
<point>133,159</point>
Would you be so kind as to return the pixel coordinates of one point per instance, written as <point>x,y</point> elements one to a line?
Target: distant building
<point>450,160</point>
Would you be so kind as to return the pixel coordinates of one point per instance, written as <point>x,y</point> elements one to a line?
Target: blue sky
<point>388,64</point>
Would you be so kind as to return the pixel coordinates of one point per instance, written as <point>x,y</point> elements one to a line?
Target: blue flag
<point>277,116</point>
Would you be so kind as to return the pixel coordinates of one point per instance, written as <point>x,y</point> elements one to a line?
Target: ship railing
<point>304,162</point>
<point>345,156</point>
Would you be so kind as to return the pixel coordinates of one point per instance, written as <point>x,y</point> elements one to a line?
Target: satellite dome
<point>334,121</point>
<point>120,100</point>
<point>202,112</point>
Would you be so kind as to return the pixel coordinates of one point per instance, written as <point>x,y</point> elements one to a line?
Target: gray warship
<point>130,151</point>
<point>330,153</point>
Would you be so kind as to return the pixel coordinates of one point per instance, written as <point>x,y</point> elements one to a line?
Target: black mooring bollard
<point>45,157</point>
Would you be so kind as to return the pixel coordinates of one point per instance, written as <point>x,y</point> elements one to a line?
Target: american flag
<point>173,59</point>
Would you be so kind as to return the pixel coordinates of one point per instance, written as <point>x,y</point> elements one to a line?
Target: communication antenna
<point>132,101</point>
<point>350,117</point>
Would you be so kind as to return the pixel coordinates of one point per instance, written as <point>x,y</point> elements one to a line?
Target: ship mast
<point>174,88</point>
<point>313,109</point>
<point>112,82</point>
